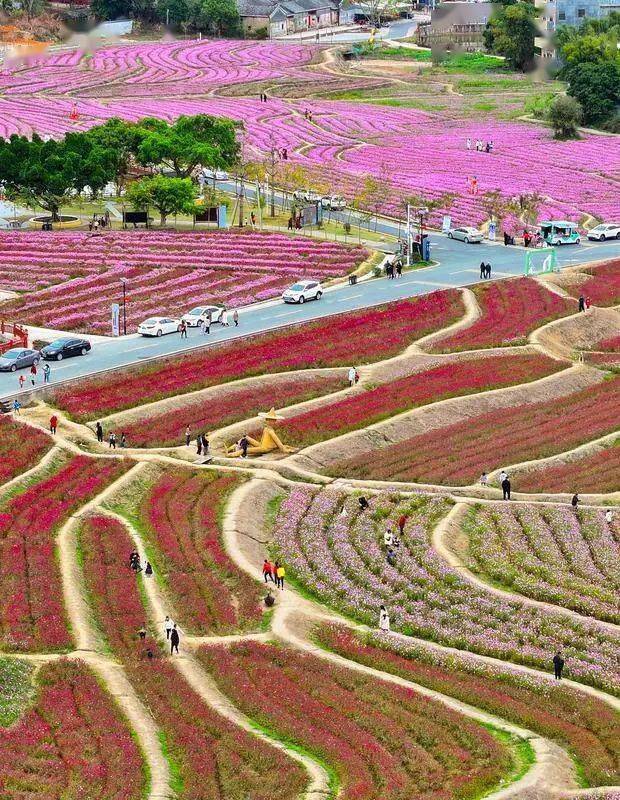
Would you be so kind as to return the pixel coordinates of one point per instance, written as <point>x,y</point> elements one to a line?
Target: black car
<point>64,348</point>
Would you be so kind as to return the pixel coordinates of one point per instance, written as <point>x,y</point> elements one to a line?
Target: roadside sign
<point>446,223</point>
<point>116,319</point>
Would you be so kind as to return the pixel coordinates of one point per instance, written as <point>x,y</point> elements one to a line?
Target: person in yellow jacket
<point>280,573</point>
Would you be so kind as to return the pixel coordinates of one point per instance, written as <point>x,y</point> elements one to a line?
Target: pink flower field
<point>71,278</point>
<point>414,151</point>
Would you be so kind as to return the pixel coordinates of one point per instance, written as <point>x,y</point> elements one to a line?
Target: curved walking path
<point>450,525</point>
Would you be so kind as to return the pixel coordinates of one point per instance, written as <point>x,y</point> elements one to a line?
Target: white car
<point>466,234</point>
<point>604,231</point>
<point>196,317</point>
<point>158,326</point>
<point>334,203</point>
<point>303,290</point>
<point>215,174</point>
<point>309,195</point>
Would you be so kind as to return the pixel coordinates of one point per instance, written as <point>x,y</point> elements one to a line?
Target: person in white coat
<point>384,620</point>
<point>351,376</point>
<point>225,318</point>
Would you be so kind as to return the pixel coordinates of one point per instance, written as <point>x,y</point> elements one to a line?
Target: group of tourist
<point>274,572</point>
<point>584,303</point>
<point>480,146</point>
<point>46,371</point>
<point>171,629</point>
<point>485,270</point>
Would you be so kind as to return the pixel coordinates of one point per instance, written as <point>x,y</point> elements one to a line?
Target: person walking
<point>112,441</point>
<point>351,376</point>
<point>168,623</point>
<point>575,501</point>
<point>468,143</point>
<point>388,538</point>
<point>47,371</point>
<point>487,271</point>
<point>148,570</point>
<point>123,442</point>
<point>174,639</point>
<point>99,432</point>
<point>483,270</point>
<point>558,665</point>
<point>506,488</point>
<point>33,374</point>
<point>268,571</point>
<point>279,570</point>
<point>206,325</point>
<point>188,436</point>
<point>588,303</point>
<point>225,323</point>
<point>21,380</point>
<point>16,407</point>
<point>53,423</point>
<point>402,521</point>
<point>484,479</point>
<point>502,476</point>
<point>391,557</point>
<point>199,445</point>
<point>236,318</point>
<point>609,516</point>
<point>582,303</point>
<point>384,620</point>
<point>399,268</point>
<point>205,444</point>
<point>243,444</point>
<point>183,329</point>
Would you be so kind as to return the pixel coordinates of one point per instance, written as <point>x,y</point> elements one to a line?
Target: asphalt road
<point>458,266</point>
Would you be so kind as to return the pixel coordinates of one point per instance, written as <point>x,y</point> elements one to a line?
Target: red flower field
<point>594,473</point>
<point>21,447</point>
<point>32,615</point>
<point>381,740</point>
<point>588,727</point>
<point>167,428</point>
<point>214,759</point>
<point>72,745</point>
<point>351,338</point>
<point>457,454</point>
<point>511,310</point>
<point>180,517</point>
<point>603,286</point>
<point>428,386</point>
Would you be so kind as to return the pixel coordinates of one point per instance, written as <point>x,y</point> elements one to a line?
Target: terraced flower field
<point>73,744</point>
<point>71,279</point>
<point>380,740</point>
<point>21,447</point>
<point>598,472</point>
<point>336,552</point>
<point>347,339</point>
<point>550,554</point>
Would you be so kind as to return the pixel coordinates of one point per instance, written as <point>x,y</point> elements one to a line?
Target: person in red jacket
<point>402,521</point>
<point>53,423</point>
<point>268,571</point>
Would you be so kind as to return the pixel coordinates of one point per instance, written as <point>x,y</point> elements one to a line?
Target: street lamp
<point>124,283</point>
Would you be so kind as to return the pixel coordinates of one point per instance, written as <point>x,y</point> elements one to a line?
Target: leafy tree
<point>218,17</point>
<point>49,173</point>
<point>190,142</point>
<point>589,49</point>
<point>122,139</point>
<point>167,195</point>
<point>565,116</point>
<point>510,33</point>
<point>597,88</point>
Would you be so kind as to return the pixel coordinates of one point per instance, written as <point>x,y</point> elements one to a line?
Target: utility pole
<point>272,180</point>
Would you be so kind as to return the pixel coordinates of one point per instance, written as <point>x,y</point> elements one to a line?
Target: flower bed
<point>427,386</point>
<point>597,473</point>
<point>166,428</point>
<point>380,740</point>
<point>457,454</point>
<point>585,725</point>
<point>163,269</point>
<point>612,344</point>
<point>510,311</point>
<point>72,745</point>
<point>21,446</point>
<point>354,337</point>
<point>550,554</point>
<point>340,558</point>
<point>32,614</point>
<point>213,759</point>
<point>179,516</point>
<point>602,286</point>
<point>16,689</point>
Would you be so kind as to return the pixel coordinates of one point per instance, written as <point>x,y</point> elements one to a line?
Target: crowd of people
<point>479,146</point>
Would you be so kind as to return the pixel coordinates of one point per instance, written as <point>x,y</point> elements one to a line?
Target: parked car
<point>65,348</point>
<point>334,203</point>
<point>217,174</point>
<point>466,234</point>
<point>196,317</point>
<point>604,231</point>
<point>309,195</point>
<point>18,358</point>
<point>158,326</point>
<point>303,290</point>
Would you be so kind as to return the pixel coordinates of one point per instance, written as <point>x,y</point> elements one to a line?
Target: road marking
<point>286,314</point>
<point>459,271</point>
<point>350,297</point>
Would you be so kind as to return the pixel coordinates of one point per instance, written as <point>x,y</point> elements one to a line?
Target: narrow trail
<point>205,686</point>
<point>450,526</point>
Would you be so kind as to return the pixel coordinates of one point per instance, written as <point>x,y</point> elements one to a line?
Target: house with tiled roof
<point>278,17</point>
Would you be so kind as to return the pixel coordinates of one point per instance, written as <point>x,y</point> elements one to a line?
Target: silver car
<point>18,358</point>
<point>466,234</point>
<point>604,231</point>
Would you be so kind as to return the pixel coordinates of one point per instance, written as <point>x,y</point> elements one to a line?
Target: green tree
<point>510,33</point>
<point>122,139</point>
<point>190,142</point>
<point>597,88</point>
<point>167,195</point>
<point>589,49</point>
<point>49,173</point>
<point>565,116</point>
<point>217,17</point>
